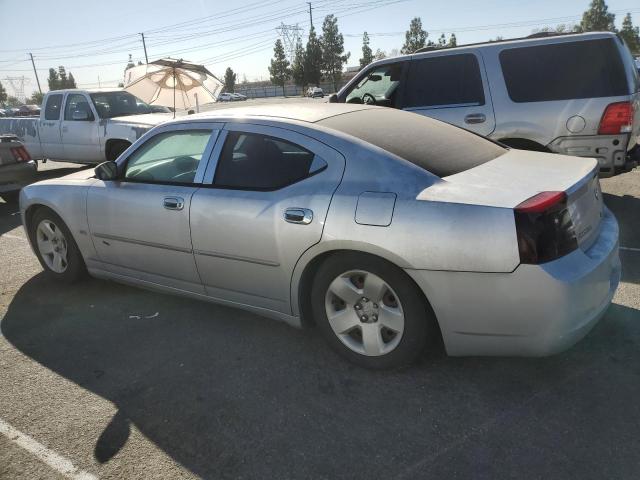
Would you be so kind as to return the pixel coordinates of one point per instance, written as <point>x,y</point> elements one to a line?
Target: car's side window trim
<point>312,145</point>
<point>204,161</point>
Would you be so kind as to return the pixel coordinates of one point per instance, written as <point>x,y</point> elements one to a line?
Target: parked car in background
<point>239,97</point>
<point>315,92</point>
<point>17,169</point>
<point>576,94</point>
<point>226,97</point>
<point>28,111</point>
<point>3,112</point>
<point>83,126</point>
<point>160,109</point>
<point>386,228</point>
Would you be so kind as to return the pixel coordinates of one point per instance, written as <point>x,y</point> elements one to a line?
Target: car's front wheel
<point>55,247</point>
<point>370,311</point>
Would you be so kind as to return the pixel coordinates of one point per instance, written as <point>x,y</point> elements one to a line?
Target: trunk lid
<point>518,175</point>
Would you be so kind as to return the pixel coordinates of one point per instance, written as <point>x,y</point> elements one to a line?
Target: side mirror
<point>80,115</point>
<point>106,171</point>
<point>333,98</point>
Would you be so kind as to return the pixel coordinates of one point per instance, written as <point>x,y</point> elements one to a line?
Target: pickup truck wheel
<point>55,247</point>
<point>116,149</point>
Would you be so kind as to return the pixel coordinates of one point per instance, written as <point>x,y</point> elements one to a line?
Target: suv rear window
<point>445,80</point>
<point>564,71</point>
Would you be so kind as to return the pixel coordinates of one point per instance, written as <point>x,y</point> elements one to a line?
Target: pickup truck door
<point>452,88</point>
<point>140,223</point>
<point>49,128</point>
<point>80,130</point>
<point>265,208</point>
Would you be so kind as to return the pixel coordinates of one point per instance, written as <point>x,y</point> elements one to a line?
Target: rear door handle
<point>303,216</point>
<point>475,118</point>
<point>173,203</point>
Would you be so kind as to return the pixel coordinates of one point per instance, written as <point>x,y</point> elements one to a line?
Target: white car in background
<point>314,92</point>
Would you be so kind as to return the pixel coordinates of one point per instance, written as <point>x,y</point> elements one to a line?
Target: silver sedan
<point>387,229</point>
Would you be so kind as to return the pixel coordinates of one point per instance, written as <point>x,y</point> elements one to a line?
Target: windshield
<point>118,104</point>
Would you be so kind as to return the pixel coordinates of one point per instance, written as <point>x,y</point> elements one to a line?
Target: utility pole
<point>35,72</point>
<point>145,48</point>
<point>310,14</point>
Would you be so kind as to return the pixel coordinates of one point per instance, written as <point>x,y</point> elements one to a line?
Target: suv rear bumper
<point>536,310</point>
<point>609,150</point>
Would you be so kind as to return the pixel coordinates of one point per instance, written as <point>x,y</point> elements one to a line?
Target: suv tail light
<point>617,118</point>
<point>20,154</point>
<point>544,228</point>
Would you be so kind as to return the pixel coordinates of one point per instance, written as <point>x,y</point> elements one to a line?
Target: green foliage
<point>279,70</point>
<point>229,80</point>
<point>630,34</point>
<point>597,18</point>
<point>3,94</point>
<point>59,80</point>
<point>36,98</point>
<point>332,45</point>
<point>13,102</point>
<point>415,38</point>
<point>297,68</point>
<point>367,53</point>
<point>380,54</point>
<point>313,60</point>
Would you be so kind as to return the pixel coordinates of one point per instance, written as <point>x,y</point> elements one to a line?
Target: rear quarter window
<point>564,71</point>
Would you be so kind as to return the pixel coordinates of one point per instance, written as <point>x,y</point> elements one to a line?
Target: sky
<point>93,39</point>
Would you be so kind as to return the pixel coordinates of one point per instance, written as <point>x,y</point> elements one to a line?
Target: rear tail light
<point>20,154</point>
<point>544,228</point>
<point>617,118</point>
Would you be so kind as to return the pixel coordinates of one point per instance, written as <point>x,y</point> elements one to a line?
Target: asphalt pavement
<point>124,383</point>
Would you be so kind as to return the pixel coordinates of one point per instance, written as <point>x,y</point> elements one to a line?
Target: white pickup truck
<point>83,126</point>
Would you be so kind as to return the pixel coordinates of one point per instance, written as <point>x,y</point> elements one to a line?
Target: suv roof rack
<point>431,48</point>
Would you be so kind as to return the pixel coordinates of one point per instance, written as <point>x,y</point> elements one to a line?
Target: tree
<point>3,94</point>
<point>279,70</point>
<point>36,98</point>
<point>13,102</point>
<point>367,53</point>
<point>442,41</point>
<point>58,79</point>
<point>630,34</point>
<point>333,56</point>
<point>53,80</point>
<point>453,41</point>
<point>597,18</point>
<point>313,60</point>
<point>297,68</point>
<point>380,54</point>
<point>71,82</point>
<point>415,38</point>
<point>229,80</point>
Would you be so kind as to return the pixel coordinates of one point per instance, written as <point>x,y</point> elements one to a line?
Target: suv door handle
<point>475,118</point>
<point>173,203</point>
<point>303,216</point>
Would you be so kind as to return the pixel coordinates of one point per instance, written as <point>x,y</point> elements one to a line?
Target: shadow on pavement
<point>229,394</point>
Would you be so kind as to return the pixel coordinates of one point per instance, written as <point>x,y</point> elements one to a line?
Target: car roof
<point>303,112</point>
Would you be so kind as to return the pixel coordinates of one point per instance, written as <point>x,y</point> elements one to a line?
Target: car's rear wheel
<point>55,247</point>
<point>370,311</point>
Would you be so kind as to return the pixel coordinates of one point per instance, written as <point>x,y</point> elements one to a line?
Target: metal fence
<point>276,91</point>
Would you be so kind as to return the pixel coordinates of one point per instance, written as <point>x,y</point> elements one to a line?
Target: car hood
<point>149,119</point>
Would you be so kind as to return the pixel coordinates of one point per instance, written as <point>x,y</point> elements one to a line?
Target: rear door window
<point>444,80</point>
<point>564,71</point>
<point>52,109</point>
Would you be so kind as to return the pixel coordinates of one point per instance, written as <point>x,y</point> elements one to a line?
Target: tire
<point>396,343</point>
<point>116,149</point>
<point>45,240</point>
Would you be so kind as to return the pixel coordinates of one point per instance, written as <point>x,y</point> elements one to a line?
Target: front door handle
<point>475,118</point>
<point>303,216</point>
<point>173,203</point>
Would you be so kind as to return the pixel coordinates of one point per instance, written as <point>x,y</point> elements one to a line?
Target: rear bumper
<point>609,150</point>
<point>16,175</point>
<point>536,310</point>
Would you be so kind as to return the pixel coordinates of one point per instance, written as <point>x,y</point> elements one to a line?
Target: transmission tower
<point>17,85</point>
<point>290,35</point>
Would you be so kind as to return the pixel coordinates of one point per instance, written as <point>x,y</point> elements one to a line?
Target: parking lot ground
<point>125,383</point>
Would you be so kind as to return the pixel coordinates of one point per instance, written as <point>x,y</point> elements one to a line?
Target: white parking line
<point>59,463</point>
<point>14,237</point>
